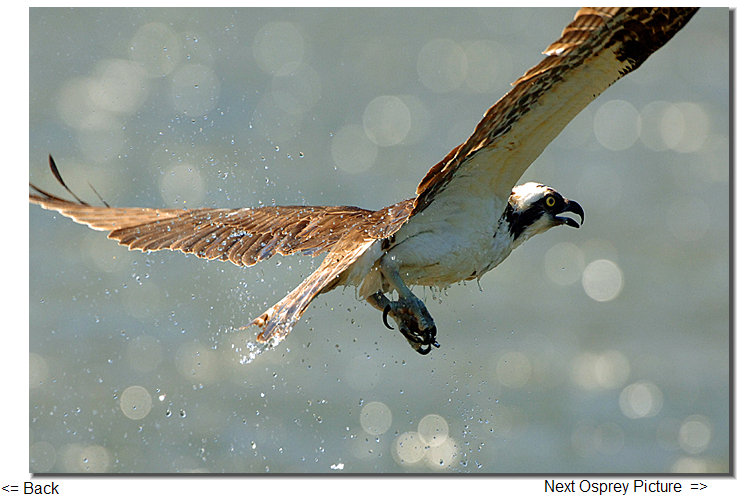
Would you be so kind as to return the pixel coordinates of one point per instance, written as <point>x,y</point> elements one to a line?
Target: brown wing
<point>242,236</point>
<point>600,46</point>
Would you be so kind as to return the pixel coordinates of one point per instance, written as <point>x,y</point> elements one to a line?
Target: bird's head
<point>534,208</point>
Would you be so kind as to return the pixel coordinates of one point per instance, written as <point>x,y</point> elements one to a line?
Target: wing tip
<point>48,197</point>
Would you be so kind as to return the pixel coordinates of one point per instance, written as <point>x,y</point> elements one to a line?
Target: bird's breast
<point>444,245</point>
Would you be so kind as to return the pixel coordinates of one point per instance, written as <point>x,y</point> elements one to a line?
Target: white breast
<point>454,239</point>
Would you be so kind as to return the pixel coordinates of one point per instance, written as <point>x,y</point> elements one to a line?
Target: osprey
<point>465,218</point>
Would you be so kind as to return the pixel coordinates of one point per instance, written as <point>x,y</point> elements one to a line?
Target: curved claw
<point>417,327</point>
<point>425,349</point>
<point>422,350</point>
<point>386,310</point>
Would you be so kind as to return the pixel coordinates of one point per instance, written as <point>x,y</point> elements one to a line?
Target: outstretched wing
<point>242,236</point>
<point>596,49</point>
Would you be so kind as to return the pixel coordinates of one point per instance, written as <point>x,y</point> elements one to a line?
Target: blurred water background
<point>604,349</point>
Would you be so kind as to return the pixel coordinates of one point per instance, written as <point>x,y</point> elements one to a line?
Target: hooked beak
<point>575,208</point>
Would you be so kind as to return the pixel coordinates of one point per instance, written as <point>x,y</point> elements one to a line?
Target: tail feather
<point>279,320</point>
<point>245,237</point>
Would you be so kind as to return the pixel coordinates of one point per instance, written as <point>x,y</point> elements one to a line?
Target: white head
<point>534,208</point>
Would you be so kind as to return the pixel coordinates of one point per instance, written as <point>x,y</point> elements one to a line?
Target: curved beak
<point>575,208</point>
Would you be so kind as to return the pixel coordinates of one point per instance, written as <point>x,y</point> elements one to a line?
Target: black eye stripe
<point>519,221</point>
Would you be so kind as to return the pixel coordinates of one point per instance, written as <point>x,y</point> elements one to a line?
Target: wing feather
<point>241,236</point>
<point>597,48</point>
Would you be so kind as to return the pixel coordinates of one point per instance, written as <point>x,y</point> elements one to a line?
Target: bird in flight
<point>465,218</point>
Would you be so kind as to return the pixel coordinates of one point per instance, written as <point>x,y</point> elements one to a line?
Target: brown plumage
<point>597,48</point>
<point>630,34</point>
<point>244,237</point>
<point>241,236</point>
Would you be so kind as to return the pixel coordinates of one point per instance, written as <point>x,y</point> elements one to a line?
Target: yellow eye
<point>550,201</point>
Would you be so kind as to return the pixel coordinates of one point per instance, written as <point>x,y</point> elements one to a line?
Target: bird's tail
<point>279,320</point>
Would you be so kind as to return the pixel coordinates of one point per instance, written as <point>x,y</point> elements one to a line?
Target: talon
<point>422,350</point>
<point>425,349</point>
<point>386,310</point>
<point>429,335</point>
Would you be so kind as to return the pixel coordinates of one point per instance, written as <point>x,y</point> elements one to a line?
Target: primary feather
<point>459,224</point>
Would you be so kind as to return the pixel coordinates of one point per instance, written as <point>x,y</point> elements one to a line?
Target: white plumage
<point>467,215</point>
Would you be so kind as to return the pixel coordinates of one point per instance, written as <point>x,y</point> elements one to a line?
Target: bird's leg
<point>408,311</point>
